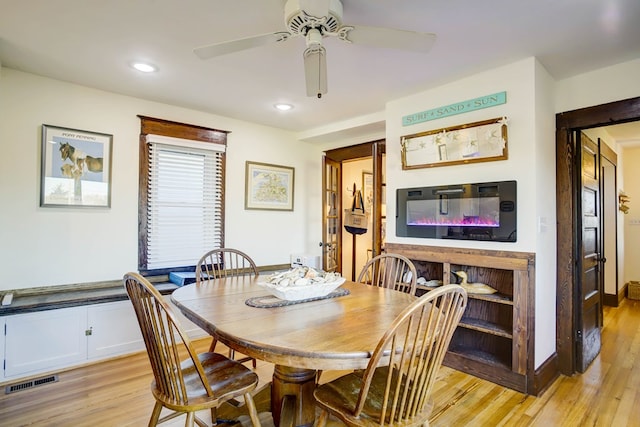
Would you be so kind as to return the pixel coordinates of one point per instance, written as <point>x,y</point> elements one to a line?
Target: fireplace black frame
<point>504,231</point>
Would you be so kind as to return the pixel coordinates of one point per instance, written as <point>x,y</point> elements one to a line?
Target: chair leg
<point>191,417</point>
<point>212,347</point>
<point>322,419</point>
<point>155,415</point>
<point>288,411</point>
<point>253,410</point>
<point>214,416</point>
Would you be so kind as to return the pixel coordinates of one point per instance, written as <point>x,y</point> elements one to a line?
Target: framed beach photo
<point>269,187</point>
<point>76,168</point>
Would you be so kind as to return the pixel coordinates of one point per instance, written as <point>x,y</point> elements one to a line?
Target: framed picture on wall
<point>367,192</point>
<point>76,168</point>
<point>468,143</point>
<point>269,187</point>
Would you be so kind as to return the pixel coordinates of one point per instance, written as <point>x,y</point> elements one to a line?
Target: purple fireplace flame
<point>445,212</point>
<point>471,221</point>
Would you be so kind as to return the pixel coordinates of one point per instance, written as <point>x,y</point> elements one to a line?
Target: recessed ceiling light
<point>144,67</point>
<point>283,107</point>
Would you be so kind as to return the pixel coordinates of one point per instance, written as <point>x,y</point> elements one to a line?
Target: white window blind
<point>185,206</point>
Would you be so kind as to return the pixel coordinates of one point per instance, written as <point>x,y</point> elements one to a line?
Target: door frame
<point>375,150</point>
<point>609,180</point>
<point>567,233</point>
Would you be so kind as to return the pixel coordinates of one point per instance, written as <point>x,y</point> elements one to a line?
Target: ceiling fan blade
<point>224,48</point>
<point>392,39</point>
<point>315,70</point>
<point>315,8</point>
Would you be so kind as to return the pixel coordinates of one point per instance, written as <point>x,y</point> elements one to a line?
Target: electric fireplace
<point>482,211</point>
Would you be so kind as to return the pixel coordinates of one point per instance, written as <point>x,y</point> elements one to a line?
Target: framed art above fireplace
<point>482,141</point>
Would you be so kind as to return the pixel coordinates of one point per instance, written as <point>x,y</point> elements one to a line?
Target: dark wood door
<point>331,215</point>
<point>568,231</point>
<point>589,292</point>
<point>609,220</point>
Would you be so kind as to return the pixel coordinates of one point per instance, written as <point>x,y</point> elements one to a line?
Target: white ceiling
<point>91,42</point>
<point>625,134</point>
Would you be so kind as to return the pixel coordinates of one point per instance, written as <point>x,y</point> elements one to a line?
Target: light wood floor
<point>116,392</point>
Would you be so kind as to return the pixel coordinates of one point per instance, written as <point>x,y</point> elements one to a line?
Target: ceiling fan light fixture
<point>315,70</point>
<point>315,20</point>
<point>313,37</point>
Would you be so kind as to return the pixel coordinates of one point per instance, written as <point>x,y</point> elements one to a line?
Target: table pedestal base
<point>293,383</point>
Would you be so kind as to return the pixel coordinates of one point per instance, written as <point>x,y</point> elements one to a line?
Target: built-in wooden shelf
<point>493,340</point>
<point>480,357</point>
<point>497,297</point>
<point>484,326</point>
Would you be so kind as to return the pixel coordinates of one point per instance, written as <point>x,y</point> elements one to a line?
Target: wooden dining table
<point>338,333</point>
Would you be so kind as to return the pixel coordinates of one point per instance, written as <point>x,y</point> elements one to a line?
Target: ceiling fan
<point>315,20</point>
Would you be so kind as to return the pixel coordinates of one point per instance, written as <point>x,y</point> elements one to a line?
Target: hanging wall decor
<point>367,191</point>
<point>268,187</point>
<point>76,168</point>
<point>473,142</point>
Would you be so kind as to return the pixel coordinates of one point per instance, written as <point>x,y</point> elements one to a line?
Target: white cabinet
<point>48,340</point>
<point>44,340</point>
<point>2,328</point>
<point>112,330</point>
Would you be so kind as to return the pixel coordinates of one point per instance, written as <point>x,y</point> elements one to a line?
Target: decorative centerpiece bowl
<point>301,283</point>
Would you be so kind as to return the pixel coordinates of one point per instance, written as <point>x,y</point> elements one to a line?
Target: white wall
<point>531,162</point>
<point>517,81</point>
<point>545,217</point>
<point>57,246</point>
<point>631,221</point>
<point>601,86</point>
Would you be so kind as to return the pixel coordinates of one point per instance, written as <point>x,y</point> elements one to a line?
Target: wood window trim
<point>155,126</point>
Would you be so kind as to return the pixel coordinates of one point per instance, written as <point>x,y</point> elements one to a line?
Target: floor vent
<point>30,384</point>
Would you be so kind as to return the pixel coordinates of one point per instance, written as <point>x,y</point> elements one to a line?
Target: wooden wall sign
<point>457,108</point>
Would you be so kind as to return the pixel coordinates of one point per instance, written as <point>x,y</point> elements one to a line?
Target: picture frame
<point>367,191</point>
<point>269,187</point>
<point>481,141</point>
<point>75,168</point>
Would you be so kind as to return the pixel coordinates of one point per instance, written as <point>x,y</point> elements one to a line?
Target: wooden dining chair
<point>221,263</point>
<point>390,271</point>
<point>201,381</point>
<point>224,262</point>
<point>395,388</point>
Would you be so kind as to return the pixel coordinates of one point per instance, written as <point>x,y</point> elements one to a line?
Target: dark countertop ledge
<point>44,298</point>
<point>31,300</point>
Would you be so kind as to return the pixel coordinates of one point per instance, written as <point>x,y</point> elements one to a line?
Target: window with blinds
<point>184,217</point>
<point>181,205</point>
